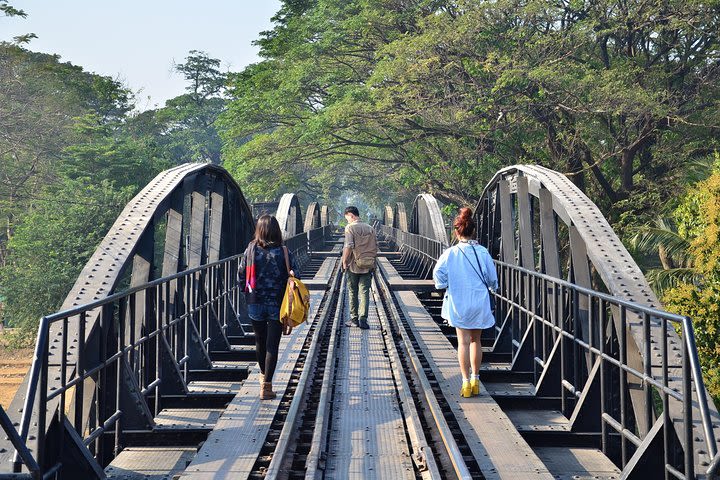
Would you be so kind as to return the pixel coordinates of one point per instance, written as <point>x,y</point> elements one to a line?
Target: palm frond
<point>663,234</point>
<point>662,280</point>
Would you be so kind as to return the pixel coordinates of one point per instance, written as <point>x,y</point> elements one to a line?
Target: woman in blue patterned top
<point>265,276</point>
<point>467,271</point>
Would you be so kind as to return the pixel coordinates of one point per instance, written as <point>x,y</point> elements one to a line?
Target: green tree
<point>7,10</point>
<point>698,221</point>
<point>40,102</point>
<point>437,95</point>
<point>68,164</point>
<point>52,243</point>
<point>185,126</point>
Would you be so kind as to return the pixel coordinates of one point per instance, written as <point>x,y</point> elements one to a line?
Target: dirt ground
<point>14,364</point>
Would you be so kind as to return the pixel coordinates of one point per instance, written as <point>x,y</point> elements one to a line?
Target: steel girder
<point>400,219</point>
<point>396,217</point>
<point>324,216</point>
<point>536,218</point>
<point>389,216</point>
<point>197,214</point>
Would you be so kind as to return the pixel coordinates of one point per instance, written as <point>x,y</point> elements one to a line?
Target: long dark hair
<point>464,223</point>
<point>267,232</point>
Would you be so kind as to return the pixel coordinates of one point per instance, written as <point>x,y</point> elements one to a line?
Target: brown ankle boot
<point>266,392</point>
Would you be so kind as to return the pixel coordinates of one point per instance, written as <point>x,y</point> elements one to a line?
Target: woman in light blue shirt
<point>467,271</point>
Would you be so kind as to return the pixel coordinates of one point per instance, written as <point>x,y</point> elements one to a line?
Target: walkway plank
<point>499,448</point>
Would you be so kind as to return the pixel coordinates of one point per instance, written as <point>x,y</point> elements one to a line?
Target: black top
<point>270,274</point>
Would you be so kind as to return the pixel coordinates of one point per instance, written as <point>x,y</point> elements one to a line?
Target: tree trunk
<point>575,170</point>
<point>626,167</point>
<point>665,259</point>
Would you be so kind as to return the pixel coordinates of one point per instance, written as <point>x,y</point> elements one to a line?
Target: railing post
<point>42,402</point>
<point>689,338</point>
<point>80,372</point>
<point>39,356</point>
<point>687,410</point>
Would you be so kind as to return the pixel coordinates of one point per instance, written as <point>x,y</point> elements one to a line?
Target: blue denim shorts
<point>259,312</point>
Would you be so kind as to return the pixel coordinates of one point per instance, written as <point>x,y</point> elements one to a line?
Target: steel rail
<point>451,446</point>
<point>317,448</point>
<point>424,458</point>
<point>283,444</point>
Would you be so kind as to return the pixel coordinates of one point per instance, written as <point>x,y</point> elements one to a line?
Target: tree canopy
<point>437,95</point>
<point>72,153</point>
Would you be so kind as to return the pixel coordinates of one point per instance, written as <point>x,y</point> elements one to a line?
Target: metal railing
<point>302,244</point>
<point>188,306</point>
<point>419,253</point>
<point>151,336</point>
<point>712,471</point>
<point>583,335</point>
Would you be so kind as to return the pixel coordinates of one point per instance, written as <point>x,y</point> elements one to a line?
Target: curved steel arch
<point>400,219</point>
<point>427,219</point>
<point>289,215</point>
<point>522,200</point>
<point>388,216</point>
<point>324,215</point>
<point>536,218</point>
<point>312,217</point>
<point>197,203</point>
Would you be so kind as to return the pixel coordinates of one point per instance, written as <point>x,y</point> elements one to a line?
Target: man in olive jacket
<point>358,261</point>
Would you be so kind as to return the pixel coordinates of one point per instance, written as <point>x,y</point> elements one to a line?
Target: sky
<point>137,42</point>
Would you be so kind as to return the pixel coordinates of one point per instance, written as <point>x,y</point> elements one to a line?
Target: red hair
<point>464,223</point>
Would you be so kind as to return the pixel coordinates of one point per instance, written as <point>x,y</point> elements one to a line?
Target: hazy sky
<point>138,41</point>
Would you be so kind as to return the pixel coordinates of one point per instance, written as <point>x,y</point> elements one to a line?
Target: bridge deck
<point>496,444</point>
<point>367,435</point>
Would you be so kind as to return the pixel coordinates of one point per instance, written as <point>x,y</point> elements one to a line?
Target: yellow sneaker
<point>466,390</point>
<point>475,386</point>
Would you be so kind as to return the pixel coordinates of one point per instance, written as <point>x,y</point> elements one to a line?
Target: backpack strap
<point>287,258</point>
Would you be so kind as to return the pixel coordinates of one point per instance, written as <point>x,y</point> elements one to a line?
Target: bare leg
<point>475,350</point>
<point>464,338</point>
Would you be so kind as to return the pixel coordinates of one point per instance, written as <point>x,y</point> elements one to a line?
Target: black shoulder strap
<point>479,273</point>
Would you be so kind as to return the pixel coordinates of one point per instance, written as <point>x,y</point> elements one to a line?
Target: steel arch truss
<point>312,217</point>
<point>325,216</point>
<point>396,217</point>
<point>389,216</point>
<point>533,218</point>
<point>188,216</point>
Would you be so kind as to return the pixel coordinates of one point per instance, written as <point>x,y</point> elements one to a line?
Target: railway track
<point>346,377</point>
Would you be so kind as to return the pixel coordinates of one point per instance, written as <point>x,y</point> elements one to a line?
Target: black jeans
<point>268,330</point>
